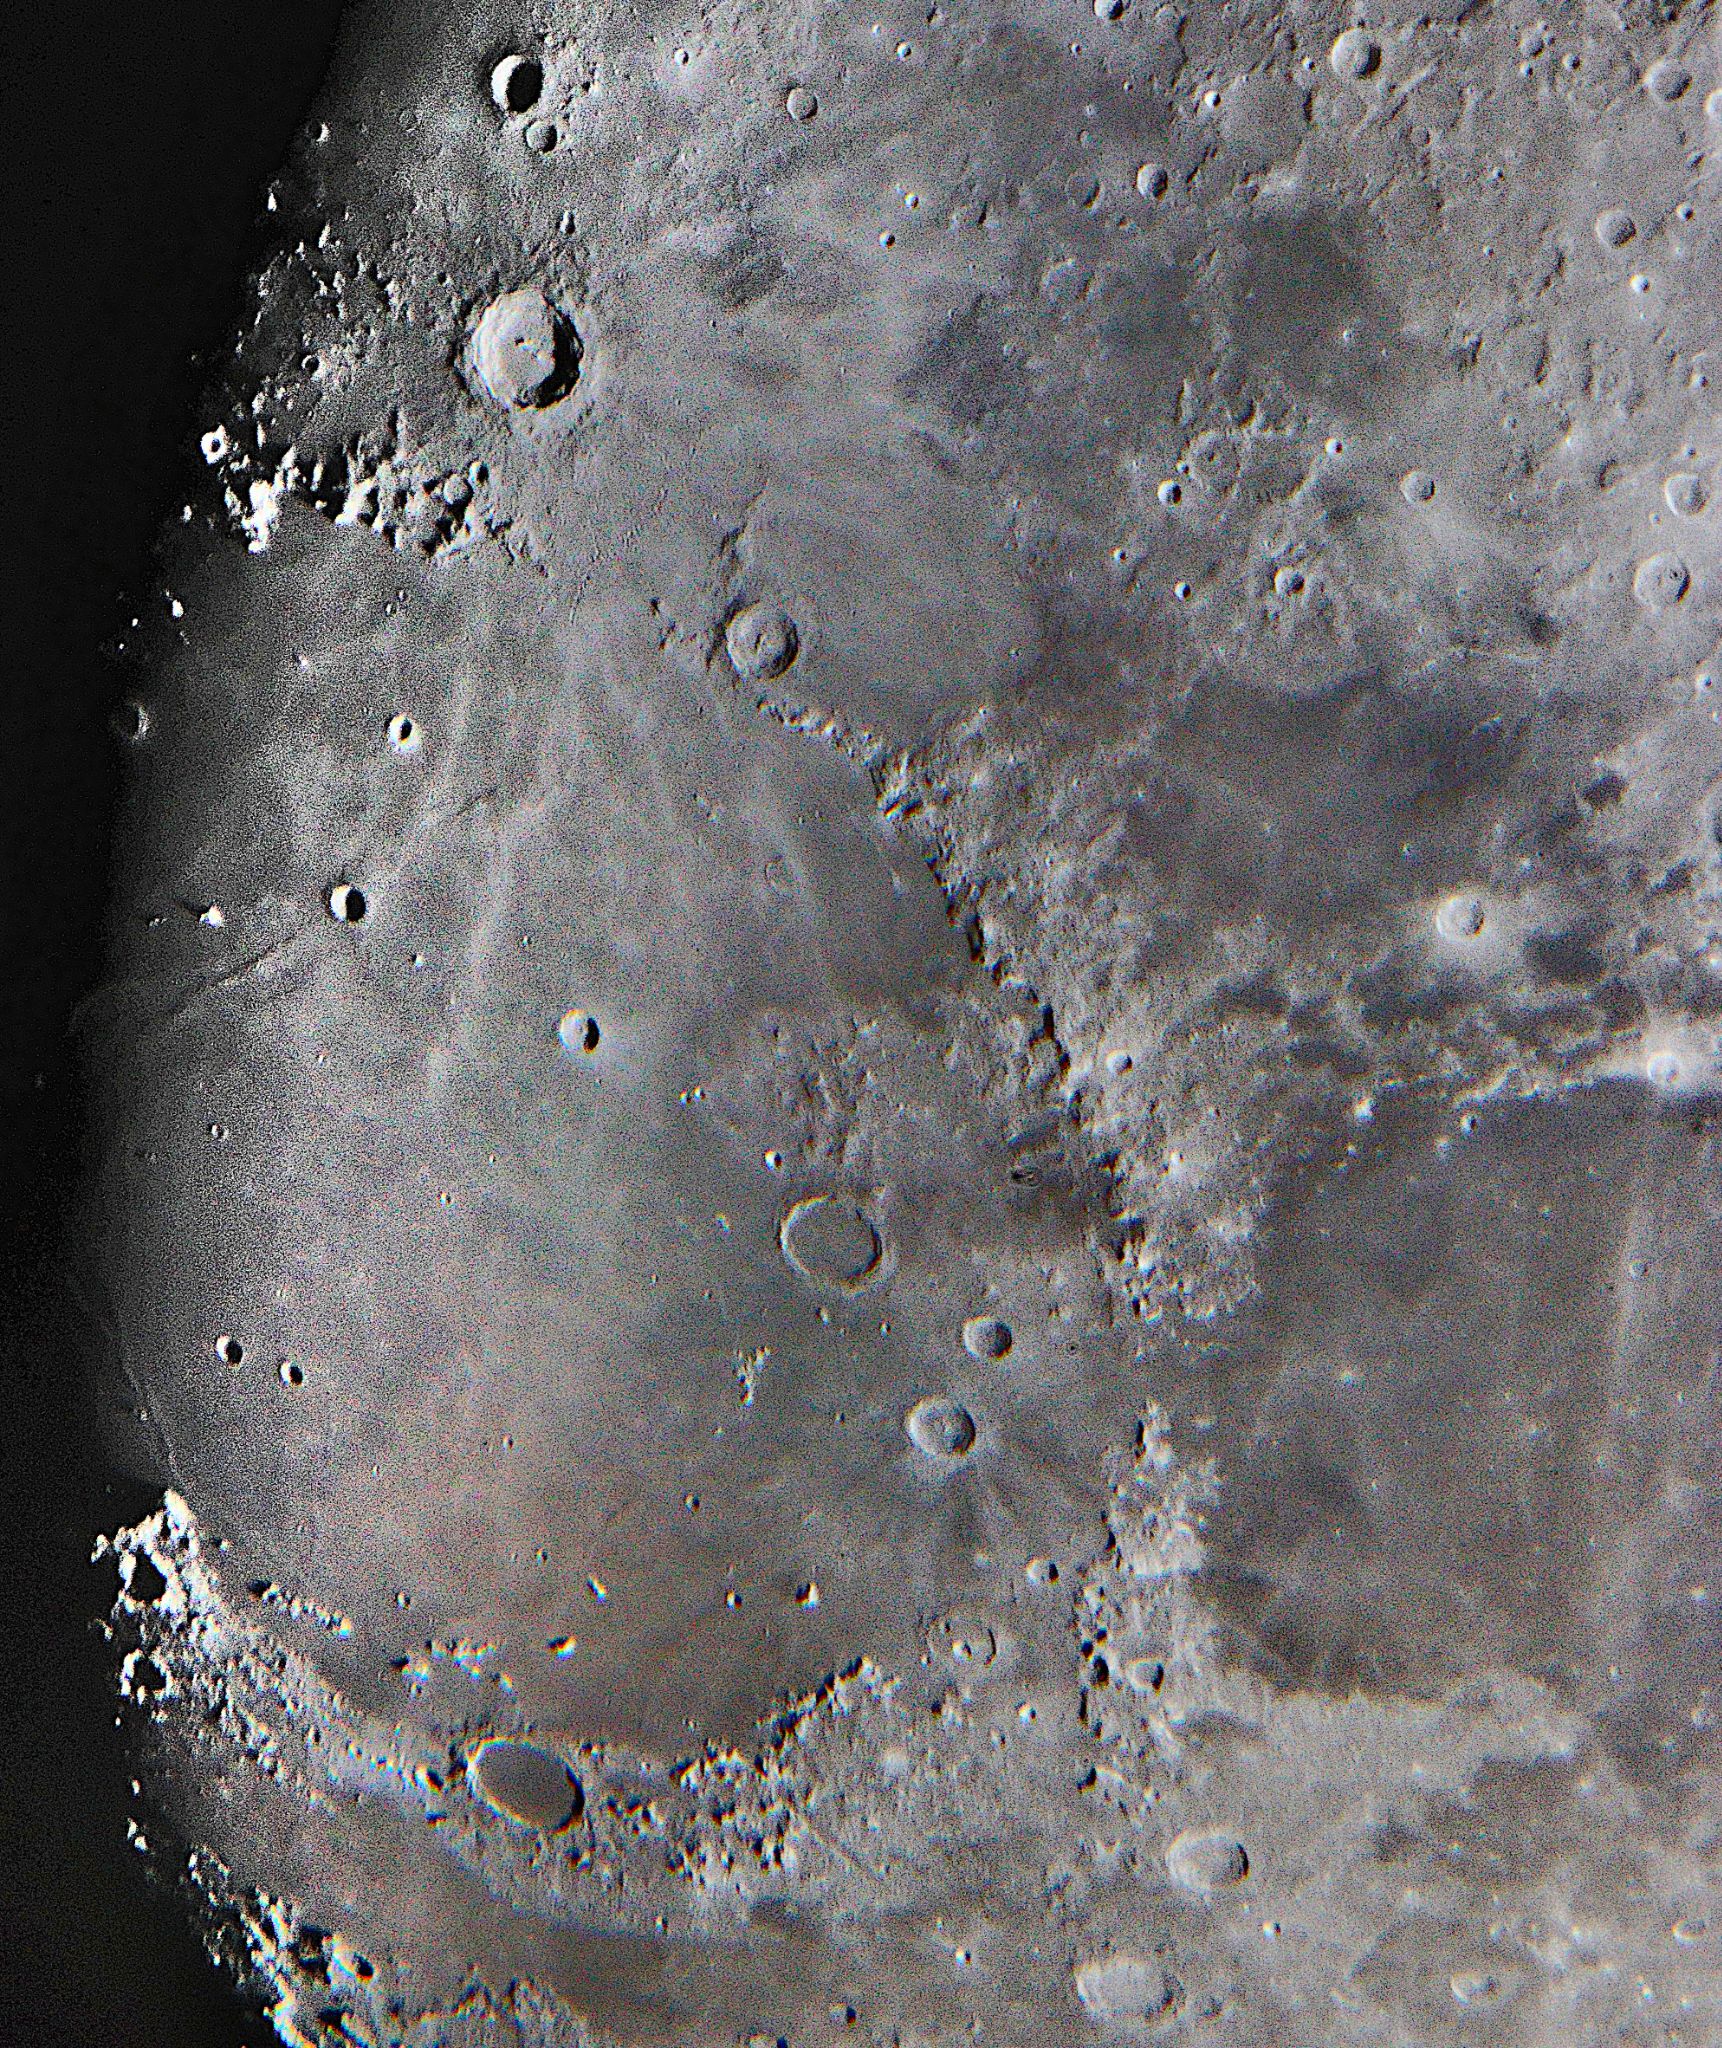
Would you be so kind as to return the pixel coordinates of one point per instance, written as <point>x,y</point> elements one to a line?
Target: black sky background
<point>137,144</point>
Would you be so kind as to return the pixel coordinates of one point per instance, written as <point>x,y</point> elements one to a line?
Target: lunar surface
<point>912,1062</point>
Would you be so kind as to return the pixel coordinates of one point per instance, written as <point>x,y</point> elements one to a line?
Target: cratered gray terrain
<point>915,1037</point>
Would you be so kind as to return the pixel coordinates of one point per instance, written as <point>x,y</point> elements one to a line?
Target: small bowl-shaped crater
<point>1667,79</point>
<point>580,1032</point>
<point>940,1429</point>
<point>1355,54</point>
<point>142,1678</point>
<point>526,1784</point>
<point>1481,1988</point>
<point>1127,1989</point>
<point>517,83</point>
<point>526,351</point>
<point>1664,1069</point>
<point>1144,1674</point>
<point>1461,918</point>
<point>965,1640</point>
<point>1660,582</point>
<point>762,641</point>
<point>146,1582</point>
<point>1206,1860</point>
<point>986,1337</point>
<point>831,1243</point>
<point>130,722</point>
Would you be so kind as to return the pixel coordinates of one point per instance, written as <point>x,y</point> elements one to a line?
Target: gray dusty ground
<point>917,1031</point>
